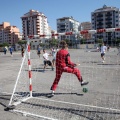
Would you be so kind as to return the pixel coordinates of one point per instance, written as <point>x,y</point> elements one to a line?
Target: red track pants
<point>59,72</point>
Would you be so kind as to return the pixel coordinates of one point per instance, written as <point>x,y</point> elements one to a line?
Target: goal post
<point>17,96</point>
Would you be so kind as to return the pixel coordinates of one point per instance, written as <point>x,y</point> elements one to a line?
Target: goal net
<point>32,95</point>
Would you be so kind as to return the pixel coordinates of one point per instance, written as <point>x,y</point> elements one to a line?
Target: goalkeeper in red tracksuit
<point>64,64</point>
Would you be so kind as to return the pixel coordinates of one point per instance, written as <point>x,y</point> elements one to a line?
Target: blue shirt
<point>38,49</point>
<point>11,49</point>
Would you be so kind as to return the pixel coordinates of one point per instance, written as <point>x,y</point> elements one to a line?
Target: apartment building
<point>9,34</point>
<point>54,32</point>
<point>86,26</point>
<point>106,17</point>
<point>67,24</point>
<point>34,23</point>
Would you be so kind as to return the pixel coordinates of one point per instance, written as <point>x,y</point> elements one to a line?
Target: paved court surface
<point>103,88</point>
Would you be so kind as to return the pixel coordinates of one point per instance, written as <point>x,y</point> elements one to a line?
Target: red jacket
<point>63,59</point>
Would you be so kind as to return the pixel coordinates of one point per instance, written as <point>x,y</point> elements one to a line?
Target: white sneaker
<point>84,83</point>
<point>53,93</point>
<point>103,61</point>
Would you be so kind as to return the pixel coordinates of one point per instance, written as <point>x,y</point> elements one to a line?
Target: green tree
<point>21,42</point>
<point>1,45</point>
<point>99,41</point>
<point>53,42</point>
<point>5,44</point>
<point>118,41</point>
<point>42,44</point>
<point>82,41</point>
<point>67,41</point>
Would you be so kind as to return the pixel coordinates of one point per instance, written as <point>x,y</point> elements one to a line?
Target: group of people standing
<point>5,49</point>
<point>11,49</point>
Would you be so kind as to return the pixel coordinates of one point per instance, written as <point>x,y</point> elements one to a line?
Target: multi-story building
<point>34,23</point>
<point>9,34</point>
<point>67,24</point>
<point>86,26</point>
<point>54,32</point>
<point>106,17</point>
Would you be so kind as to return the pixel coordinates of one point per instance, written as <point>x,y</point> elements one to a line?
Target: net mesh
<point>101,102</point>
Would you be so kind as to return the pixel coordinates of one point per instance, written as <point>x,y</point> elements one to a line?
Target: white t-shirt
<point>46,56</point>
<point>53,52</point>
<point>54,56</point>
<point>103,49</point>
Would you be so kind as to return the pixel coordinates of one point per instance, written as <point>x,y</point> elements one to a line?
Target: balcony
<point>108,19</point>
<point>100,27</point>
<point>37,18</point>
<point>62,25</point>
<point>38,29</point>
<point>108,26</point>
<point>37,25</point>
<point>99,24</point>
<point>108,14</point>
<point>100,15</point>
<point>108,23</point>
<point>37,22</point>
<point>62,30</point>
<point>99,19</point>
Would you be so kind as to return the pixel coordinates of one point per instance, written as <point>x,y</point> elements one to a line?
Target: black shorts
<point>38,52</point>
<point>48,62</point>
<point>102,54</point>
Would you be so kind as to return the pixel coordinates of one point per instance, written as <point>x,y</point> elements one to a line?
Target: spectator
<point>11,51</point>
<point>38,51</point>
<point>22,51</point>
<point>5,50</point>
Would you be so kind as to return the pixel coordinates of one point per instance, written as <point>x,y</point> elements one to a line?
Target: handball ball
<point>85,90</point>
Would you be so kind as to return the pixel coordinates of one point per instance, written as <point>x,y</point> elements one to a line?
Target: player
<point>46,60</point>
<point>38,51</point>
<point>53,55</point>
<point>11,51</point>
<point>22,51</point>
<point>64,64</point>
<point>103,50</point>
<point>5,50</point>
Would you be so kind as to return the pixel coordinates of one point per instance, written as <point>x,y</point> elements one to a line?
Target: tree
<point>21,42</point>
<point>53,42</point>
<point>99,41</point>
<point>1,45</point>
<point>118,41</point>
<point>82,41</point>
<point>5,44</point>
<point>67,41</point>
